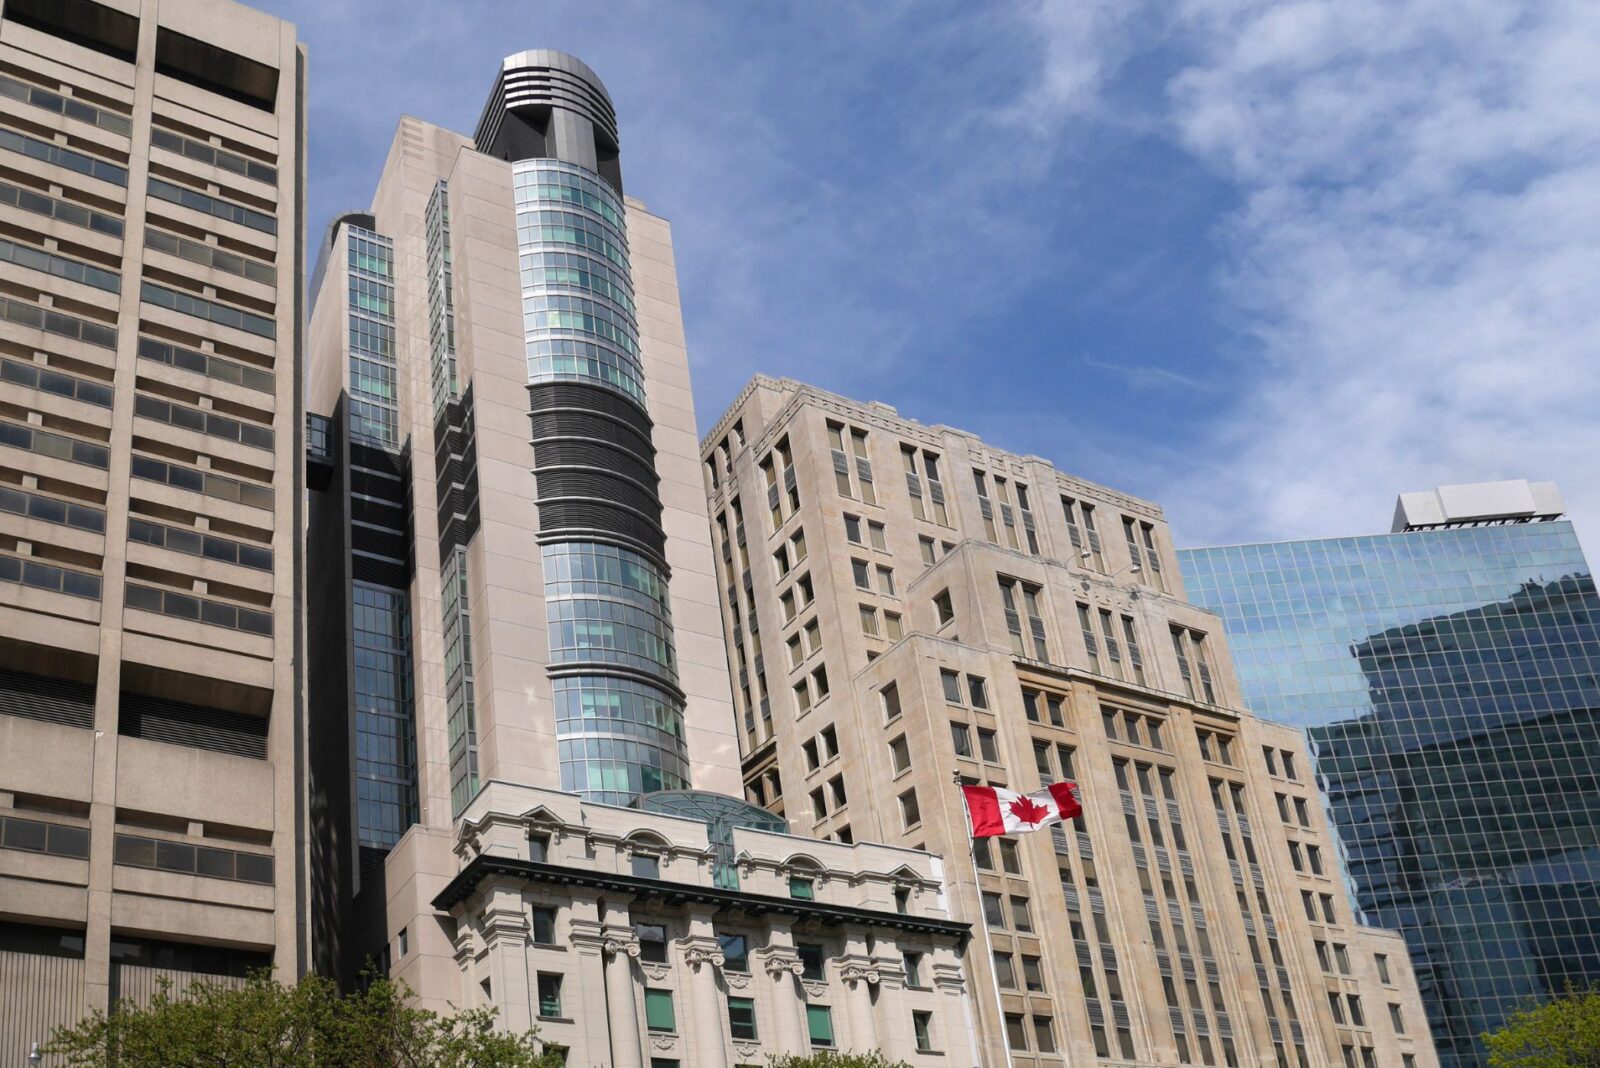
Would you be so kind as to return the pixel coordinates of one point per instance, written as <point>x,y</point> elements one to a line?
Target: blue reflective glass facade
<point>386,748</point>
<point>1447,684</point>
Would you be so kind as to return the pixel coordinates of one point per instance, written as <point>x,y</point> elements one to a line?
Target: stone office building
<point>151,178</point>
<point>903,601</point>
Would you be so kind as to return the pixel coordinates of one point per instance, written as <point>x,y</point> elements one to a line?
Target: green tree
<point>830,1059</point>
<point>267,1024</point>
<point>1563,1033</point>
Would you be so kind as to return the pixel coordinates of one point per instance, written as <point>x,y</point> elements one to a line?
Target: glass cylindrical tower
<point>618,707</point>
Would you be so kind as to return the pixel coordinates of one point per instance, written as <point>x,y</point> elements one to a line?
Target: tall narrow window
<point>841,461</point>
<point>863,462</point>
<point>908,461</point>
<point>1008,517</point>
<point>985,505</point>
<point>930,467</point>
<point>1090,645</point>
<point>1030,529</point>
<point>1152,555</point>
<point>1130,645</point>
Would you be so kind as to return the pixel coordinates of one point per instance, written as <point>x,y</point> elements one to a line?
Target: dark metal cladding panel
<point>48,700</point>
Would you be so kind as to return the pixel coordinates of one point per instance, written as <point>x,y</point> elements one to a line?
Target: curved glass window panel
<point>607,605</point>
<point>618,738</point>
<point>577,287</point>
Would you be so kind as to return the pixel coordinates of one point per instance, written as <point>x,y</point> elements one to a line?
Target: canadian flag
<point>992,810</point>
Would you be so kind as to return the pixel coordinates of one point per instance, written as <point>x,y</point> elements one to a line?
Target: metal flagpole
<point>983,924</point>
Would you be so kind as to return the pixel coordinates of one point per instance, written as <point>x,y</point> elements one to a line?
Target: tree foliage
<point>831,1059</point>
<point>1563,1033</point>
<point>267,1024</point>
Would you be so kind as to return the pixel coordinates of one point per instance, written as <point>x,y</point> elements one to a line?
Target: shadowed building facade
<point>903,602</point>
<point>151,430</point>
<point>1445,675</point>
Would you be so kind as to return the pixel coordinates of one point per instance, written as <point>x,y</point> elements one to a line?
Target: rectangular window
<point>811,961</point>
<point>1044,1034</point>
<point>994,913</point>
<point>910,814</point>
<point>652,942</point>
<point>890,696</point>
<point>802,888</point>
<point>1021,917</point>
<point>1383,968</point>
<point>900,754</point>
<point>977,692</point>
<point>735,950</point>
<point>876,536</point>
<point>742,1018</point>
<point>819,1026</point>
<point>943,607</point>
<point>1396,1020</point>
<point>950,682</point>
<point>549,996</point>
<point>987,746</point>
<point>658,1012</point>
<point>1016,1031</point>
<point>961,739</point>
<point>913,966</point>
<point>1005,972</point>
<point>544,926</point>
<point>1032,975</point>
<point>922,1030</point>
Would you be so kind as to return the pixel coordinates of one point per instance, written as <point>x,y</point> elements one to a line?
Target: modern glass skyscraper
<point>1446,677</point>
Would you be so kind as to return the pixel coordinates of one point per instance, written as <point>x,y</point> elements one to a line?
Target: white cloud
<point>1413,266</point>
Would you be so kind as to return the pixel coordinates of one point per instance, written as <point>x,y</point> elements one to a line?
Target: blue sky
<point>1267,263</point>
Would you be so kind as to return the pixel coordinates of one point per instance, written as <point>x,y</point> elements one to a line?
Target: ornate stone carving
<point>815,989</point>
<point>612,946</point>
<point>854,973</point>
<point>655,972</point>
<point>746,1050</point>
<point>736,980</point>
<point>698,955</point>
<point>776,966</point>
<point>662,1041</point>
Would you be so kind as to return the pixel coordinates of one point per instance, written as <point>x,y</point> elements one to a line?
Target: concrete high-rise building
<point>525,769</point>
<point>1445,674</point>
<point>906,602</point>
<point>151,429</point>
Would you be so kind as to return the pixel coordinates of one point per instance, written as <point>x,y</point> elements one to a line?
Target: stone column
<point>788,999</point>
<point>703,957</point>
<point>505,928</point>
<point>860,979</point>
<point>622,1003</point>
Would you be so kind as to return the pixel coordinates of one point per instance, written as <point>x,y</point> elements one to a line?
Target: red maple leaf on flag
<point>1027,811</point>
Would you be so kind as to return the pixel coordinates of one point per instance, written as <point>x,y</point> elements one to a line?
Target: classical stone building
<point>684,931</point>
<point>906,603</point>
<point>151,178</point>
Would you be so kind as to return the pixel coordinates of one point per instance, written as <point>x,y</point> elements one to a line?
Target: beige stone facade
<point>151,430</point>
<point>629,938</point>
<point>906,604</point>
